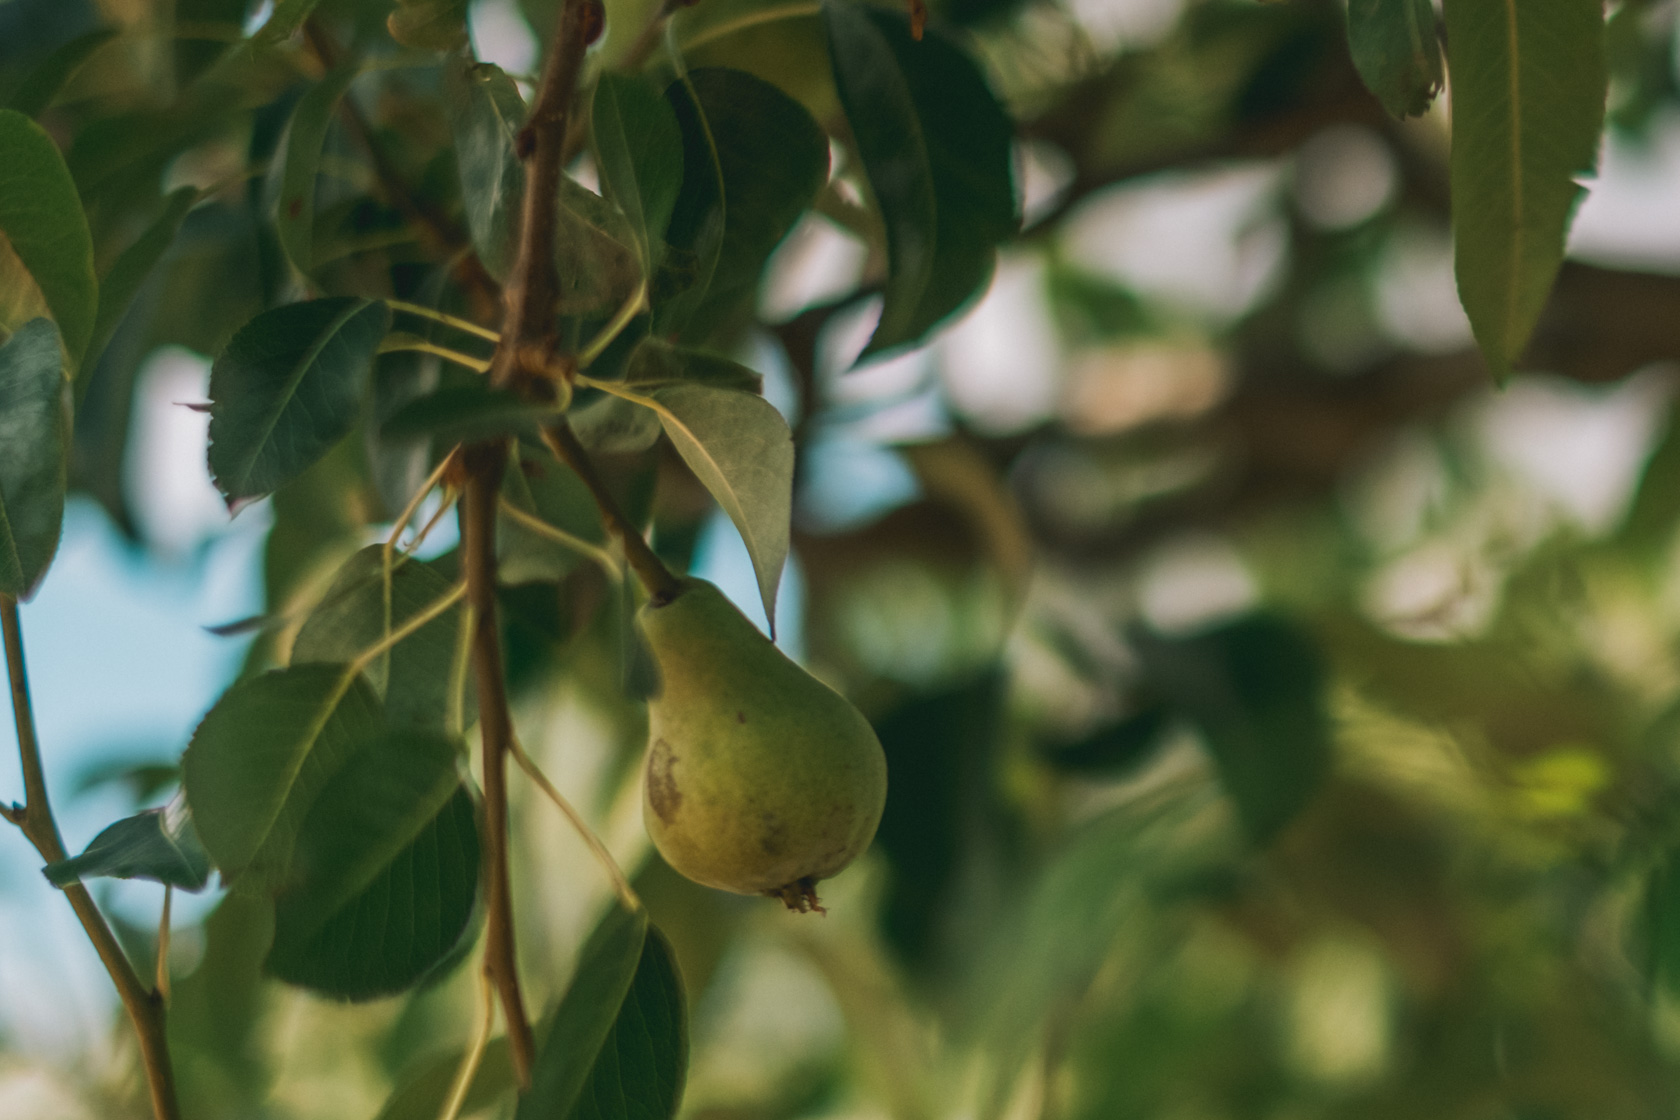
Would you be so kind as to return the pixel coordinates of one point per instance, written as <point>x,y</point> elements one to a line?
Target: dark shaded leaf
<point>415,678</point>
<point>48,79</point>
<point>295,209</point>
<point>640,1070</point>
<point>158,844</point>
<point>656,362</point>
<point>606,968</point>
<point>463,413</point>
<point>287,388</point>
<point>429,25</point>
<point>34,429</point>
<point>1528,105</point>
<point>1256,689</point>
<point>41,215</point>
<point>936,148</point>
<point>540,485</point>
<point>770,158</point>
<point>263,753</point>
<point>400,930</point>
<point>485,114</point>
<point>1397,52</point>
<point>130,270</point>
<point>639,150</point>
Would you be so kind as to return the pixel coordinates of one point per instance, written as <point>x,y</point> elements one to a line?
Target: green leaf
<point>1256,689</point>
<point>936,148</point>
<point>361,608</point>
<point>485,114</point>
<point>639,1072</point>
<point>405,926</point>
<point>263,753</point>
<point>639,150</point>
<point>424,1093</point>
<point>740,448</point>
<point>771,160</point>
<point>694,235</point>
<point>657,362</point>
<point>287,388</point>
<point>599,266</point>
<point>465,413</point>
<point>130,270</point>
<point>1528,88</point>
<point>48,79</point>
<point>41,215</point>
<point>429,25</point>
<point>295,213</point>
<point>614,426</point>
<point>371,809</point>
<point>158,844</point>
<point>587,1013</point>
<point>1397,52</point>
<point>287,17</point>
<point>34,434</point>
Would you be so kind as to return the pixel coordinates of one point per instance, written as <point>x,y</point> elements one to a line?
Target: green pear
<point>760,778</point>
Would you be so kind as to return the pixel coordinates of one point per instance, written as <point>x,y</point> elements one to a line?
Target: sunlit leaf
<point>414,678</point>
<point>606,969</point>
<point>485,114</point>
<point>295,216</point>
<point>263,753</point>
<point>406,924</point>
<point>740,448</point>
<point>41,215</point>
<point>1397,52</point>
<point>34,429</point>
<point>158,844</point>
<point>287,388</point>
<point>936,148</point>
<point>639,150</point>
<point>1528,86</point>
<point>44,83</point>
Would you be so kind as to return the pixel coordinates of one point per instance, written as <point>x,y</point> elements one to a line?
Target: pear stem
<point>661,585</point>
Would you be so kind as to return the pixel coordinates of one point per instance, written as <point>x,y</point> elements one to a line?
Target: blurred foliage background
<point>1282,722</point>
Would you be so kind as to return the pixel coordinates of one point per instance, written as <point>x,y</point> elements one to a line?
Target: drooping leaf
<point>51,74</point>
<point>936,148</point>
<point>287,388</point>
<point>606,968</point>
<point>41,215</point>
<point>640,1070</point>
<point>1255,688</point>
<point>463,413</point>
<point>34,429</point>
<point>1397,52</point>
<point>1528,88</point>
<point>158,844</point>
<point>429,25</point>
<point>770,158</point>
<point>262,754</point>
<point>485,114</point>
<point>639,150</point>
<point>423,1094</point>
<point>373,807</point>
<point>415,677</point>
<point>740,448</point>
<point>295,215</point>
<point>130,270</point>
<point>398,931</point>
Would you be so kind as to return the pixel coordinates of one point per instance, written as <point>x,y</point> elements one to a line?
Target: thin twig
<point>484,464</point>
<point>566,540</point>
<point>465,1075</point>
<point>35,819</point>
<point>392,345</point>
<point>621,885</point>
<point>413,505</point>
<point>649,568</point>
<point>443,317</point>
<point>413,623</point>
<point>163,944</point>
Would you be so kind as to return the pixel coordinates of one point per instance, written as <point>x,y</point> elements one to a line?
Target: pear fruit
<point>760,779</point>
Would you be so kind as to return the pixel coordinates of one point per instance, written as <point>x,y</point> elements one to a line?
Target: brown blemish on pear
<point>760,779</point>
